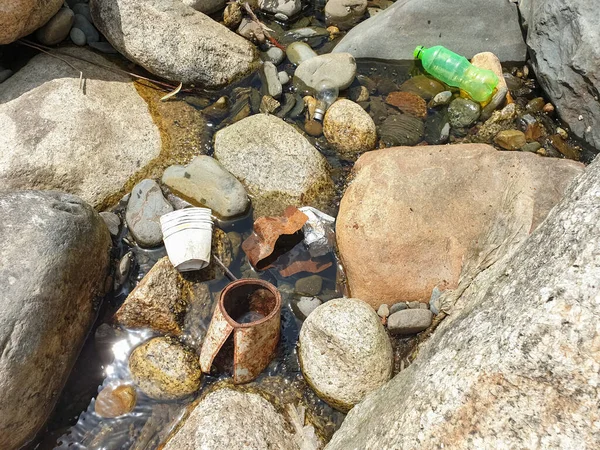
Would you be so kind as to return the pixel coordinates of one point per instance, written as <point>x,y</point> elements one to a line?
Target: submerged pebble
<point>408,103</point>
<point>298,52</point>
<point>423,86</point>
<point>78,37</point>
<point>510,139</point>
<point>164,369</point>
<point>338,69</point>
<point>463,112</point>
<point>401,130</point>
<point>114,401</point>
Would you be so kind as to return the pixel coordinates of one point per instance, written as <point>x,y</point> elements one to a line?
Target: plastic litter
<point>457,71</point>
<point>187,234</point>
<point>319,233</point>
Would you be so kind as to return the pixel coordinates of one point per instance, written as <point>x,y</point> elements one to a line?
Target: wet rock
<point>100,157</point>
<point>164,369</point>
<point>206,6</point>
<point>287,7</point>
<point>547,365</point>
<point>441,99</point>
<point>268,104</point>
<point>344,13</point>
<point>274,55</point>
<point>83,24</point>
<point>359,94</point>
<point>112,221</point>
<point>207,53</point>
<point>566,58</point>
<point>408,103</point>
<point>57,29</point>
<point>272,83</point>
<point>393,35</point>
<point>305,305</point>
<point>338,69</point>
<point>22,17</point>
<point>54,261</point>
<point>298,52</point>
<point>310,285</point>
<point>463,112</point>
<point>313,36</point>
<point>221,246</point>
<point>78,37</point>
<point>500,120</point>
<point>531,147</point>
<point>510,139</point>
<point>567,150</point>
<point>276,164</point>
<point>284,78</point>
<point>401,130</point>
<point>423,86</point>
<point>385,86</point>
<point>344,352</point>
<point>114,401</point>
<point>409,321</point>
<point>158,302</point>
<point>144,209</point>
<point>236,241</point>
<point>205,182</point>
<point>313,128</point>
<point>252,31</point>
<point>232,15</point>
<point>256,422</point>
<point>437,128</point>
<point>349,128</point>
<point>414,191</point>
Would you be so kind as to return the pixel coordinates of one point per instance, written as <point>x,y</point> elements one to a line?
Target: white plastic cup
<point>188,237</point>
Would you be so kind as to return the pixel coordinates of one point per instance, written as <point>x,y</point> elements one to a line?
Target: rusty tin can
<point>251,310</point>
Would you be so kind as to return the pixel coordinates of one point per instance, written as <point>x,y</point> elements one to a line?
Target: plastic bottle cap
<point>418,51</point>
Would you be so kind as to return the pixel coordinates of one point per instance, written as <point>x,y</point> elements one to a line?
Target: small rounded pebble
<point>313,128</point>
<point>398,307</point>
<point>283,76</point>
<point>114,401</point>
<point>548,108</point>
<point>77,36</point>
<point>383,311</point>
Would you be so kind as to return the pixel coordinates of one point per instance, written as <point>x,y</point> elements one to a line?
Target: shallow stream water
<point>103,361</point>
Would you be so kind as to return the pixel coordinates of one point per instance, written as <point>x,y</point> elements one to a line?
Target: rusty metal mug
<point>251,310</point>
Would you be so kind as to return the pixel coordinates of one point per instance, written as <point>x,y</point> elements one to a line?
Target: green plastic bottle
<point>457,71</point>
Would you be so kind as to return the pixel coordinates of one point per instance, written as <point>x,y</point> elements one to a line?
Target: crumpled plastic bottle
<point>457,71</point>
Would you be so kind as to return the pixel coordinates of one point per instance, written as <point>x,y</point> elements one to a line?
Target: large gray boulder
<point>53,265</point>
<point>563,42</point>
<point>19,18</point>
<point>516,363</point>
<point>464,26</point>
<point>174,41</point>
<point>88,141</point>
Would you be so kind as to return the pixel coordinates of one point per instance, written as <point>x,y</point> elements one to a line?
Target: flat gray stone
<point>286,7</point>
<point>272,82</point>
<point>56,136</point>
<point>409,321</point>
<point>206,182</point>
<point>464,26</point>
<point>112,222</point>
<point>144,209</point>
<point>54,261</point>
<point>338,69</point>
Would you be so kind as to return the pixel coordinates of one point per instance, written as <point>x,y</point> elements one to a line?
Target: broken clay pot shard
<point>274,236</point>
